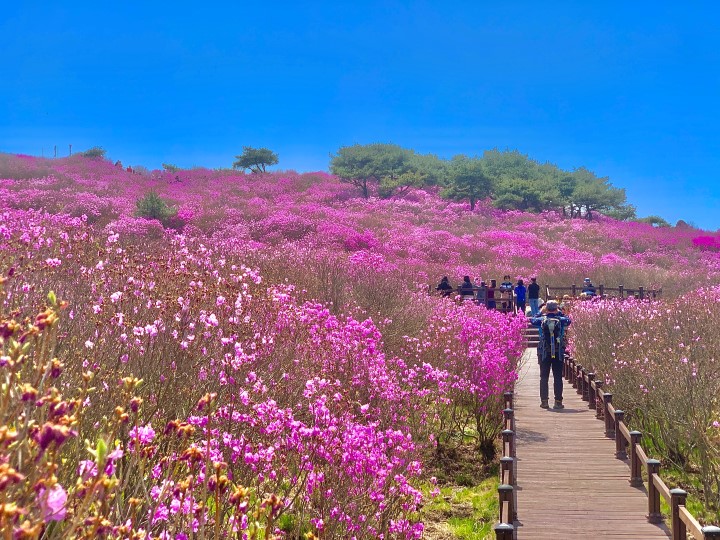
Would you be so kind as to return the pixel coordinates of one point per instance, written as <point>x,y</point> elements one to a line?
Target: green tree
<point>96,152</point>
<point>169,167</point>
<point>467,180</point>
<point>388,167</point>
<point>255,159</point>
<point>594,194</point>
<point>522,183</point>
<point>655,221</point>
<point>624,212</point>
<point>415,171</point>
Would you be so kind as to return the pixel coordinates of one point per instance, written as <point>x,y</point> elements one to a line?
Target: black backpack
<point>550,330</point>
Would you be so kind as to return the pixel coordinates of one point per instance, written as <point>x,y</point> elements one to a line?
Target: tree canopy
<point>96,152</point>
<point>255,159</point>
<point>509,179</point>
<point>387,168</point>
<point>467,180</point>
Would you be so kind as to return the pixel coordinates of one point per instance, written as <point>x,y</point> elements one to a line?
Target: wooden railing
<point>682,520</point>
<point>505,529</point>
<point>504,301</point>
<point>601,290</point>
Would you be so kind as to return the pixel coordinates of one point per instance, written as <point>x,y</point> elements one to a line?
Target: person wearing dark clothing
<point>506,285</point>
<point>534,297</point>
<point>491,294</point>
<point>520,293</point>
<point>551,352</point>
<point>466,289</point>
<point>588,288</point>
<point>444,287</point>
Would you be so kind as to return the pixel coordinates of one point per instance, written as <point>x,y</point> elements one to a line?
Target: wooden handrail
<point>692,524</point>
<point>682,520</point>
<point>661,487</point>
<point>625,432</point>
<point>601,290</point>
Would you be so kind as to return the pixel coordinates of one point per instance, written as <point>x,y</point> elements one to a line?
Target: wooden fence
<point>504,301</point>
<point>507,494</point>
<point>601,290</point>
<point>682,520</point>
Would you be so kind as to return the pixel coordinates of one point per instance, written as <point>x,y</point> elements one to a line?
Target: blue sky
<point>629,90</point>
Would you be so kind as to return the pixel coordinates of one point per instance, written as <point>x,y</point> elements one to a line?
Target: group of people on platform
<point>508,297</point>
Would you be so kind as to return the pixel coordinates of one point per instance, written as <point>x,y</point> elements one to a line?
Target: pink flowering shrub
<point>661,363</point>
<point>173,390</point>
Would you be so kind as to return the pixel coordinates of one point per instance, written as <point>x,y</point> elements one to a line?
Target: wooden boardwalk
<point>569,483</point>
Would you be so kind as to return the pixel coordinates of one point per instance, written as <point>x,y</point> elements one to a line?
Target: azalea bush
<point>164,388</point>
<point>661,362</point>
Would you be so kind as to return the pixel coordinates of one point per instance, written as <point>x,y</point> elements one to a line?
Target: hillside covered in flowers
<point>264,361</point>
<point>417,236</point>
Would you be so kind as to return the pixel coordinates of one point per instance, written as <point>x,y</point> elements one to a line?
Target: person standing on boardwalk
<point>551,352</point>
<point>534,297</point>
<point>520,293</point>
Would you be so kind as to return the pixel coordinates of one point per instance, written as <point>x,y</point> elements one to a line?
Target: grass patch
<point>688,481</point>
<point>467,506</point>
<point>461,513</point>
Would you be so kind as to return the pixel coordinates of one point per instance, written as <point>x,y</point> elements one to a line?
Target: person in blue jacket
<point>551,352</point>
<point>520,296</point>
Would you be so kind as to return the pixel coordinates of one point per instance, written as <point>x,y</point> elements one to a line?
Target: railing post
<point>508,436</point>
<point>581,380</point>
<point>620,452</point>
<point>678,497</point>
<point>586,385</point>
<point>609,426</point>
<point>574,290</point>
<point>592,395</point>
<point>642,293</point>
<point>620,289</point>
<point>507,464</point>
<point>505,492</point>
<point>508,397</point>
<point>504,531</point>
<point>573,375</point>
<point>509,416</point>
<point>598,398</point>
<point>654,515</point>
<point>602,290</point>
<point>711,531</point>
<point>635,466</point>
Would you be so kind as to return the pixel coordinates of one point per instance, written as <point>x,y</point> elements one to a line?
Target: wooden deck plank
<point>570,485</point>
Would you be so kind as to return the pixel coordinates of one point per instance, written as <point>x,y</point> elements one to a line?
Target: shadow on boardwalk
<point>570,485</point>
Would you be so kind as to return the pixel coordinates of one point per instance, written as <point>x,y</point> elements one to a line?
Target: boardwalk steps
<point>569,482</point>
<point>531,336</point>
